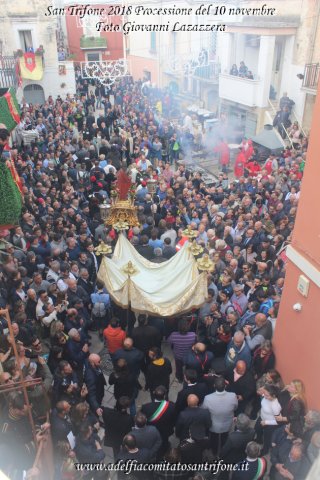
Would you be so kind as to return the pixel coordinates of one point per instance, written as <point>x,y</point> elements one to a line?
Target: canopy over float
<point>163,289</point>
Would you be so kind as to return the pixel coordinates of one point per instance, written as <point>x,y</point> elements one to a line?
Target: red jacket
<point>239,164</point>
<point>114,338</point>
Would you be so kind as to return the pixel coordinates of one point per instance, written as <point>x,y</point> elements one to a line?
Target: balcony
<point>311,77</point>
<point>8,72</point>
<point>239,90</point>
<point>208,73</point>
<point>93,43</point>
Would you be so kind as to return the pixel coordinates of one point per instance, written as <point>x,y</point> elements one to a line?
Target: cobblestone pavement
<point>143,397</point>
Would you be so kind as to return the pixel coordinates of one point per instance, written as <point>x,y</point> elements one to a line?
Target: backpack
<point>237,308</point>
<point>99,309</point>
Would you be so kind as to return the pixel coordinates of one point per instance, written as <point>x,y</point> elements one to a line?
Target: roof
<point>289,21</point>
<point>268,138</point>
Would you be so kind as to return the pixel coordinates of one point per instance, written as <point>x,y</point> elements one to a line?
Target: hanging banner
<point>31,67</point>
<point>13,109</point>
<point>30,61</point>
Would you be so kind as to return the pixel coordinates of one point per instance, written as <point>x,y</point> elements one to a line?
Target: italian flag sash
<point>261,468</point>
<point>163,407</point>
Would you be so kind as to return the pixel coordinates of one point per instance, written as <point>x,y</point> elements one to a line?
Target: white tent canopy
<point>163,289</point>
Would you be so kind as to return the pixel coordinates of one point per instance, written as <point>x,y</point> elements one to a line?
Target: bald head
<point>5,378</point>
<point>192,400</point>
<point>94,359</point>
<point>199,347</point>
<point>238,339</point>
<point>260,319</point>
<point>241,367</point>
<point>127,343</point>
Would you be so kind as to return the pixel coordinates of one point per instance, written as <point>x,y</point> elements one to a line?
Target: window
<point>89,23</point>
<point>147,75</point>
<point>25,40</point>
<point>153,42</point>
<point>93,57</point>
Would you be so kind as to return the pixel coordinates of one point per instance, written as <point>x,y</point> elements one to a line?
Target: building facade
<point>25,28</point>
<point>298,325</point>
<point>281,52</point>
<point>88,38</point>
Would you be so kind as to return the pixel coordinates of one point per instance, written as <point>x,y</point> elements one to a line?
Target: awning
<point>269,138</point>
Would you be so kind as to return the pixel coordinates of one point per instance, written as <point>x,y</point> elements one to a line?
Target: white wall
<point>251,57</point>
<point>51,81</point>
<point>290,83</point>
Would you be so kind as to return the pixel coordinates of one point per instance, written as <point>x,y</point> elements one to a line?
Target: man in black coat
<point>234,450</point>
<point>161,414</point>
<point>117,423</point>
<point>253,466</point>
<point>145,337</point>
<point>198,359</point>
<point>95,381</point>
<point>158,371</point>
<point>144,248</point>
<point>60,422</point>
<point>132,356</point>
<point>147,436</point>
<point>84,281</point>
<point>192,387</point>
<point>191,415</point>
<point>242,383</point>
<point>88,447</point>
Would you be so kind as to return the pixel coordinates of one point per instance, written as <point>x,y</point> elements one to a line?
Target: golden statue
<point>129,269</point>
<point>195,249</point>
<point>188,232</point>
<point>205,264</point>
<point>123,211</point>
<point>103,249</point>
<point>121,225</point>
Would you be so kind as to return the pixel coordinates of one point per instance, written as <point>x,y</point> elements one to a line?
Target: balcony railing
<point>240,90</point>
<point>87,43</point>
<point>8,72</point>
<point>208,72</point>
<point>311,76</point>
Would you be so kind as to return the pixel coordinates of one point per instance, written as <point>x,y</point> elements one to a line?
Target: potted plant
<point>40,50</point>
<point>19,53</point>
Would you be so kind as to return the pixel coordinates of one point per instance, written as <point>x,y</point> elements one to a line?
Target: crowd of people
<point>232,403</point>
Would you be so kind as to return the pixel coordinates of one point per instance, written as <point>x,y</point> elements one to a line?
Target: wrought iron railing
<point>311,76</point>
<point>8,72</point>
<point>208,72</point>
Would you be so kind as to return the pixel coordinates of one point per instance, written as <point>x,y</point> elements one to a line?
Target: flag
<point>12,108</point>
<point>31,67</point>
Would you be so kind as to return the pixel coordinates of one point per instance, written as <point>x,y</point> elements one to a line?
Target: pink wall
<point>137,65</point>
<point>297,335</point>
<point>114,39</point>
